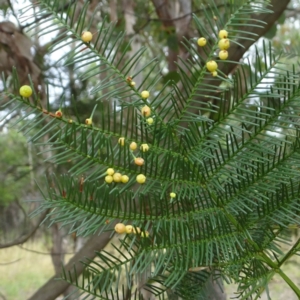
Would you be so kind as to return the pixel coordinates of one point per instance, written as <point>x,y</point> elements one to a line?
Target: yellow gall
<point>133,146</point>
<point>132,83</point>
<point>58,114</point>
<point>201,42</point>
<point>150,121</point>
<point>110,171</point>
<point>145,94</point>
<point>120,228</point>
<point>88,121</point>
<point>117,177</point>
<point>224,44</point>
<point>136,230</point>
<point>141,178</point>
<point>223,34</point>
<point>124,178</point>
<point>109,179</point>
<point>144,147</point>
<point>146,111</point>
<point>139,161</point>
<point>172,195</point>
<point>129,229</point>
<point>144,234</point>
<point>223,54</point>
<point>70,121</point>
<point>211,66</point>
<point>25,91</point>
<point>86,36</point>
<point>214,73</point>
<point>121,141</point>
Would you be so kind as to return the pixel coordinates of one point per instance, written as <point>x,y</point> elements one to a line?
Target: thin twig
<point>10,262</point>
<point>23,238</point>
<point>2,296</point>
<point>44,253</point>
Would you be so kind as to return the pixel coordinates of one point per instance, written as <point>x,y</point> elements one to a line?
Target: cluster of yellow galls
<point>223,45</point>
<point>122,228</point>
<point>113,176</point>
<point>86,37</point>
<point>139,161</point>
<point>146,110</point>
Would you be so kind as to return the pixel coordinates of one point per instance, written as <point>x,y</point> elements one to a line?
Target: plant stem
<point>290,253</point>
<point>289,282</point>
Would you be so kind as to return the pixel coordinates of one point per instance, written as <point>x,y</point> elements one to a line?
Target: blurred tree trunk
<point>57,250</point>
<point>215,289</point>
<point>53,287</point>
<point>167,12</point>
<point>175,16</point>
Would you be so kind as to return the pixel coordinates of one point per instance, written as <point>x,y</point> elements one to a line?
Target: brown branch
<point>24,237</point>
<point>53,288</point>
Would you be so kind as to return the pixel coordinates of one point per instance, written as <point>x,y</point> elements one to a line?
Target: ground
<point>22,272</point>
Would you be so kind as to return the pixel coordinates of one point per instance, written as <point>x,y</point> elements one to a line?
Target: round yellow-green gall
<point>117,177</point>
<point>145,94</point>
<point>129,229</point>
<point>89,121</point>
<point>133,146</point>
<point>214,73</point>
<point>211,66</point>
<point>201,42</point>
<point>25,91</point>
<point>141,178</point>
<point>172,195</point>
<point>110,171</point>
<point>124,178</point>
<point>150,121</point>
<point>120,228</point>
<point>86,36</point>
<point>223,34</point>
<point>224,44</point>
<point>223,54</point>
<point>109,179</point>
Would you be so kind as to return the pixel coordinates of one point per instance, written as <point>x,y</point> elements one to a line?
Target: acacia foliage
<point>226,145</point>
